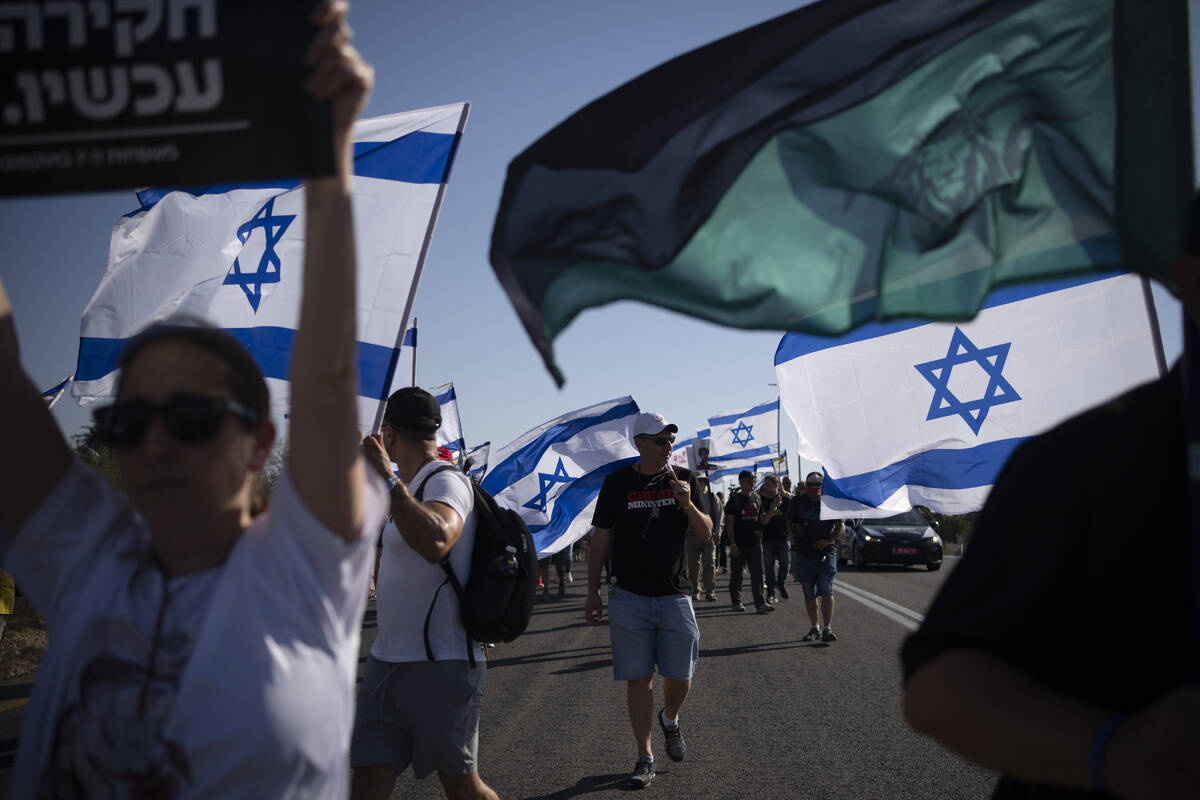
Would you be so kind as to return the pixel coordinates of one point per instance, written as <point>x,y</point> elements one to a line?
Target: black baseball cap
<point>413,409</point>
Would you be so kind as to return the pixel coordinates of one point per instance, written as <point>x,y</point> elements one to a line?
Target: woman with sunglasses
<point>196,652</point>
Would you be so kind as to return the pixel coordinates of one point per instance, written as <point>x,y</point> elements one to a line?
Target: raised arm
<point>324,457</point>
<point>35,454</point>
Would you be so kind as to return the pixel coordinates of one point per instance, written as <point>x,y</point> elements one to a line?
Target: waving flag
<point>450,434</point>
<point>744,435</point>
<point>913,413</point>
<point>52,394</point>
<point>478,457</point>
<point>233,256</point>
<point>862,160</point>
<point>551,475</point>
<point>729,468</point>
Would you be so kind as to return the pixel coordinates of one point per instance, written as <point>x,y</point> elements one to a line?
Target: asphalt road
<point>769,716</point>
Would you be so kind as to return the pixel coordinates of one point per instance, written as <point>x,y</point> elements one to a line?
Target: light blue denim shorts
<point>650,631</point>
<point>816,576</point>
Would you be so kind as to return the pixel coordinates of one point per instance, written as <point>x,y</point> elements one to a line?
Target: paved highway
<point>769,716</point>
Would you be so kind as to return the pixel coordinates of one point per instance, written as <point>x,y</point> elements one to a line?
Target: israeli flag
<point>551,475</point>
<point>479,460</point>
<point>915,413</point>
<point>51,395</point>
<point>743,436</point>
<point>450,434</point>
<point>731,467</point>
<point>233,256</point>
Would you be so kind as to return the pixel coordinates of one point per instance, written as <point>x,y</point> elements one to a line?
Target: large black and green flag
<point>861,160</point>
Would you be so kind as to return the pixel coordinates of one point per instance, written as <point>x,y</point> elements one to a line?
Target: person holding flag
<point>647,512</point>
<point>195,651</point>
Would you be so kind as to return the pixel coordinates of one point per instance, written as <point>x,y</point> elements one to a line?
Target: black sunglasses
<point>188,418</point>
<point>660,440</point>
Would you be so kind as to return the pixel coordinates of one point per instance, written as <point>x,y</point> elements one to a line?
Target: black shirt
<point>805,515</point>
<point>776,527</point>
<point>648,530</point>
<point>742,514</point>
<point>1053,579</point>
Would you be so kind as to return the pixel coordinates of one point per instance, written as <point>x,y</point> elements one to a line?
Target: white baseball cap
<point>648,423</point>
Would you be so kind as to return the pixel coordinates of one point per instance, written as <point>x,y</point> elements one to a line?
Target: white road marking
<point>893,611</point>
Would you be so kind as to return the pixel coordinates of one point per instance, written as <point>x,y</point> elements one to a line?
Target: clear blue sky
<point>524,67</point>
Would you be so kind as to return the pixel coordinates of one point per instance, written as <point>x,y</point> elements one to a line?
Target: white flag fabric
<point>551,475</point>
<point>479,460</point>
<point>233,256</point>
<point>731,467</point>
<point>910,413</point>
<point>681,454</point>
<point>51,395</point>
<point>450,434</point>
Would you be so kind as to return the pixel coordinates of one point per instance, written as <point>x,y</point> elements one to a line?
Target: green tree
<point>96,454</point>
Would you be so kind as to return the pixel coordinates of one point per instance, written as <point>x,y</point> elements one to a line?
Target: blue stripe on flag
<point>455,446</point>
<point>445,397</point>
<point>526,459</point>
<point>419,157</point>
<point>967,468</point>
<point>270,346</point>
<point>794,345</point>
<point>53,390</point>
<point>747,454</point>
<point>754,412</point>
<point>410,338</point>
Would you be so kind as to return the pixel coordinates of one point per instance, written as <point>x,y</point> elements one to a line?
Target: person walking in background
<point>744,518</point>
<point>815,541</point>
<point>702,555</point>
<point>776,547</point>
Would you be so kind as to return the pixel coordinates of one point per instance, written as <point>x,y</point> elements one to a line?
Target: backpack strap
<point>451,578</point>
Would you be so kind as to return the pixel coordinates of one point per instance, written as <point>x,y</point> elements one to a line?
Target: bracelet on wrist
<point>685,508</point>
<point>1099,748</point>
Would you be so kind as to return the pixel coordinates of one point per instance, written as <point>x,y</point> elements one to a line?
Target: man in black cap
<point>745,516</point>
<point>421,641</point>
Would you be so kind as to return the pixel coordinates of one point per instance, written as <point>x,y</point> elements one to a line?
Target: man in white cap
<point>646,510</point>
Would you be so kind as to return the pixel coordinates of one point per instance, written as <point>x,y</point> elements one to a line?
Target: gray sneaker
<point>676,748</point>
<point>643,773</point>
<point>814,633</point>
<point>738,607</point>
<point>764,609</point>
<point>828,636</point>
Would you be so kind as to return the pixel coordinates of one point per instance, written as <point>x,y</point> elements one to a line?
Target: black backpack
<point>497,601</point>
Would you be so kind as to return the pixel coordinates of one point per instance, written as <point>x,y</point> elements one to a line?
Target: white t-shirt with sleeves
<point>407,583</point>
<point>233,682</point>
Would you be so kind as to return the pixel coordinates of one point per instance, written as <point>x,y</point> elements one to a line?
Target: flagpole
<point>414,351</point>
<point>1155,332</point>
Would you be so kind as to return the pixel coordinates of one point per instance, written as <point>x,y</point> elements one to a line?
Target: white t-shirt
<point>407,583</point>
<point>239,682</point>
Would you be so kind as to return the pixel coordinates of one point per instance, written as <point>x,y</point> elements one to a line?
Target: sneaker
<point>676,748</point>
<point>710,597</point>
<point>828,636</point>
<point>771,599</point>
<point>643,773</point>
<point>764,609</point>
<point>738,607</point>
<point>782,591</point>
<point>695,597</point>
<point>814,633</point>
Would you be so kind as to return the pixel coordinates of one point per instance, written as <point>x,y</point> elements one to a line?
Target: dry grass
<point>24,641</point>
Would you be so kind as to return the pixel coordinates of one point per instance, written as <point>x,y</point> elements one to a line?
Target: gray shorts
<point>423,713</point>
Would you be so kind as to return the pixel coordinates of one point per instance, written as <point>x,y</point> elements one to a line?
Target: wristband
<point>1100,744</point>
<point>392,482</point>
<point>685,508</point>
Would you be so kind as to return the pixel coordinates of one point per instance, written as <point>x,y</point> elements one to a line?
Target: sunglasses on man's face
<point>190,418</point>
<point>660,440</point>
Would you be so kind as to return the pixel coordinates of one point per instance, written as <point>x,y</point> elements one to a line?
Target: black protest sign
<point>106,94</point>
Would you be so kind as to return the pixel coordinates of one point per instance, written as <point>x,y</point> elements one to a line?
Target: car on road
<point>901,539</point>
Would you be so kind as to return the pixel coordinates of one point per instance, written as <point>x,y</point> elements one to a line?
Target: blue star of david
<point>963,350</point>
<point>547,482</point>
<point>741,434</point>
<point>268,264</point>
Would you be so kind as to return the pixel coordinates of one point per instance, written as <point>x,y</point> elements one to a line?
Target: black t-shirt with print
<point>776,527</point>
<point>743,511</point>
<point>648,530</point>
